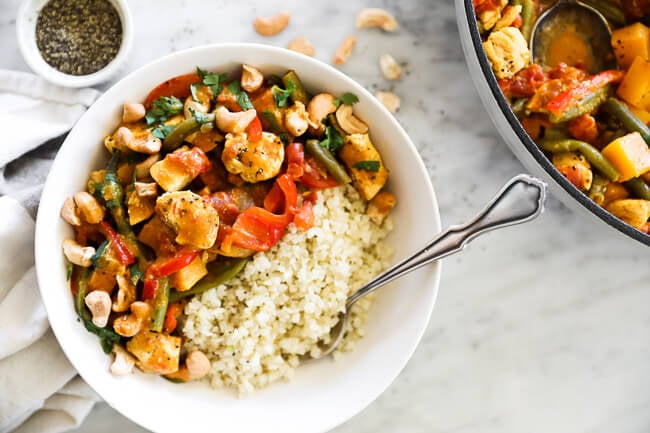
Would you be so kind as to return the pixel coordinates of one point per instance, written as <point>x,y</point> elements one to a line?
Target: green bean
<point>160,303</point>
<point>298,93</point>
<point>188,126</point>
<point>609,10</point>
<point>556,133</point>
<point>627,118</point>
<point>528,18</point>
<point>598,189</point>
<point>325,157</point>
<point>595,158</point>
<point>586,105</point>
<point>114,196</point>
<point>638,187</point>
<point>519,107</point>
<point>106,336</point>
<point>218,273</point>
<point>82,290</point>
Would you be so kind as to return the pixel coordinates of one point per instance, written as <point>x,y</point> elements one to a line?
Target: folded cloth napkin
<point>39,389</point>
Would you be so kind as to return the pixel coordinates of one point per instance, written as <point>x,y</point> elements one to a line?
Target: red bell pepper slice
<point>124,255</point>
<point>566,99</point>
<point>254,130</point>
<point>178,86</point>
<point>171,317</point>
<point>164,267</point>
<point>295,156</point>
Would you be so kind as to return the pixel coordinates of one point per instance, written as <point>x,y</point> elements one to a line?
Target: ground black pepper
<point>78,37</point>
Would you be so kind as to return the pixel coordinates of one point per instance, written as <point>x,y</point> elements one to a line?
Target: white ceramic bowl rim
<point>530,145</point>
<point>25,31</point>
<point>323,394</point>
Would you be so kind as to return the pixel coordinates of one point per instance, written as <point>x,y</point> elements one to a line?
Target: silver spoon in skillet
<point>569,32</point>
<point>520,200</point>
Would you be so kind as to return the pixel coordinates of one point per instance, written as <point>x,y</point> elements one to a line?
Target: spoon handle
<point>520,200</point>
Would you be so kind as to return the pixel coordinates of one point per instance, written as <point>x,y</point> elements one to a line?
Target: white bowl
<point>323,393</point>
<point>26,33</point>
<point>520,143</point>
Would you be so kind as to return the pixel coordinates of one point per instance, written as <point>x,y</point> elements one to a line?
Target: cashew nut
<point>344,50</point>
<point>77,254</point>
<point>389,100</point>
<point>196,366</point>
<point>147,144</point>
<point>251,78</point>
<point>128,325</point>
<point>69,212</point>
<point>318,108</point>
<point>99,304</point>
<point>142,168</point>
<point>132,112</point>
<point>89,208</point>
<point>375,17</point>
<point>126,294</point>
<point>389,67</point>
<point>146,189</point>
<point>302,45</point>
<point>123,363</point>
<point>191,105</point>
<point>234,122</point>
<point>350,123</point>
<point>271,26</point>
<point>296,119</point>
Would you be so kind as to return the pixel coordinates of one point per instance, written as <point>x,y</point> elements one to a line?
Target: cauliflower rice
<point>255,328</point>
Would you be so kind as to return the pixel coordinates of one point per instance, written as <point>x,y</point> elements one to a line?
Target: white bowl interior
<point>323,393</point>
<point>26,33</point>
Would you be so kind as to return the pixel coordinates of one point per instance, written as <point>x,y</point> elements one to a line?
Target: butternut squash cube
<point>190,275</point>
<point>629,155</point>
<point>630,42</point>
<point>364,164</point>
<point>642,114</point>
<point>635,87</point>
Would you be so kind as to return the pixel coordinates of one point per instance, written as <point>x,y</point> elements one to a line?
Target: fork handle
<point>520,200</point>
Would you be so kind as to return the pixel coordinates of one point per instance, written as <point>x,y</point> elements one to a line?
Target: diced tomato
<point>316,176</point>
<point>171,317</point>
<point>194,160</point>
<point>178,86</point>
<point>254,130</point>
<point>524,83</point>
<point>124,255</point>
<point>568,98</point>
<point>304,219</point>
<point>584,128</point>
<point>295,156</point>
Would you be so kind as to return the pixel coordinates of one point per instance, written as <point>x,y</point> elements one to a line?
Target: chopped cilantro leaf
<point>242,97</point>
<point>213,81</point>
<point>333,139</point>
<point>163,108</point>
<point>281,95</point>
<point>201,118</point>
<point>100,250</point>
<point>347,98</point>
<point>368,165</point>
<point>201,73</point>
<point>161,131</point>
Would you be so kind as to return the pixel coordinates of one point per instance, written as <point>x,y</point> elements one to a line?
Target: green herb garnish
<point>333,139</point>
<point>281,95</point>
<point>368,165</point>
<point>163,108</point>
<point>98,254</point>
<point>347,98</point>
<point>242,97</point>
<point>213,81</point>
<point>201,118</point>
<point>161,131</point>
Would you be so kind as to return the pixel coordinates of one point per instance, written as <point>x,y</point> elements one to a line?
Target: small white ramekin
<point>26,32</point>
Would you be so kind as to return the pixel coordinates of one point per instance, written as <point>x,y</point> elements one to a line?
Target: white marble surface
<point>539,328</point>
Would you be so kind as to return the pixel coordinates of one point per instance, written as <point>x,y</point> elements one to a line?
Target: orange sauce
<point>571,48</point>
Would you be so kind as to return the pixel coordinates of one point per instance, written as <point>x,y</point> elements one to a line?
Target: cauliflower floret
<point>507,52</point>
<point>254,161</point>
